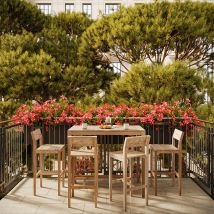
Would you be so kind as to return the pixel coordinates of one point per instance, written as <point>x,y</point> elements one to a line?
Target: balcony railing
<point>11,156</point>
<point>201,155</point>
<point>198,150</point>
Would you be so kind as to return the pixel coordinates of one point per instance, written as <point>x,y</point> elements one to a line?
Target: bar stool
<point>82,147</point>
<point>47,149</point>
<point>134,147</point>
<point>172,149</point>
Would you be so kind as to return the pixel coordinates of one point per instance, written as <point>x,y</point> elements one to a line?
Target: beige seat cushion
<point>163,148</point>
<point>82,153</point>
<point>50,148</point>
<point>118,155</point>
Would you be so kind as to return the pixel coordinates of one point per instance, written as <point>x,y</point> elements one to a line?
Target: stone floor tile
<point>22,201</point>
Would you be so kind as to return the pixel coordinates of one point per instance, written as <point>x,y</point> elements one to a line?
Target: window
<point>69,8</point>
<point>111,8</point>
<point>116,67</point>
<point>87,9</point>
<point>45,8</point>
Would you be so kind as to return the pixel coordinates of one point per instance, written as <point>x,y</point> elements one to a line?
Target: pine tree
<point>16,15</point>
<point>158,83</point>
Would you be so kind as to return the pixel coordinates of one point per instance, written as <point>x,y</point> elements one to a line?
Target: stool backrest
<point>82,141</point>
<point>139,143</point>
<point>37,136</point>
<point>177,136</point>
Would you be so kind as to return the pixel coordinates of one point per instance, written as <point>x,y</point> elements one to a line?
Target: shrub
<point>158,83</point>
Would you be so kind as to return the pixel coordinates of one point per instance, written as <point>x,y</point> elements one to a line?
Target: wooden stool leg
<point>41,162</point>
<point>130,174</point>
<point>143,162</point>
<point>151,175</point>
<point>59,171</point>
<point>63,167</point>
<point>142,175</point>
<point>173,168</point>
<point>155,173</point>
<point>125,185</point>
<point>146,179</point>
<point>138,170</point>
<point>96,180</point>
<point>110,177</point>
<point>180,172</point>
<point>69,180</point>
<point>73,161</point>
<point>34,172</point>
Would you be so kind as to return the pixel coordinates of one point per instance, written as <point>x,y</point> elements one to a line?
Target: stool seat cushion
<point>50,148</point>
<point>164,148</point>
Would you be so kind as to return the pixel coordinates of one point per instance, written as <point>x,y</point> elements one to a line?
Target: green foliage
<point>46,65</point>
<point>153,31</point>
<point>61,40</point>
<point>7,109</point>
<point>89,81</point>
<point>25,41</point>
<point>205,112</point>
<point>158,83</point>
<point>37,76</point>
<point>73,24</point>
<point>16,15</point>
<point>84,85</point>
<point>59,45</point>
<point>24,77</point>
<point>38,62</point>
<point>210,89</point>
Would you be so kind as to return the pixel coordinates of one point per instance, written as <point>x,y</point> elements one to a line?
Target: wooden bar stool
<point>134,148</point>
<point>82,147</point>
<point>172,149</point>
<point>47,149</point>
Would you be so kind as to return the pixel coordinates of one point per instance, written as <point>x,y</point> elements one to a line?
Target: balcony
<point>16,183</point>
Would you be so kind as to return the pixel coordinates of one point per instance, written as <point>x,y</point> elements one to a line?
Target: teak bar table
<point>117,130</point>
<point>107,137</point>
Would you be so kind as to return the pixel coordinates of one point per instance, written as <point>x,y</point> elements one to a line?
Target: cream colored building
<point>94,8</point>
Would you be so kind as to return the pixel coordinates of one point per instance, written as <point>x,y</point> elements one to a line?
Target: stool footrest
<point>164,172</point>
<point>81,186</point>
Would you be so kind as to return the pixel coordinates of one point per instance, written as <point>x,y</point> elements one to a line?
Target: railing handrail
<point>125,118</point>
<point>205,121</point>
<point>7,121</point>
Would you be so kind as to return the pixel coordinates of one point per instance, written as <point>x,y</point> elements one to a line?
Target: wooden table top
<point>115,130</point>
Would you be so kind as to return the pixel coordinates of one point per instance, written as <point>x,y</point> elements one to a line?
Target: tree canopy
<point>16,15</point>
<point>158,83</point>
<point>155,32</point>
<point>46,64</point>
<point>61,40</point>
<point>25,76</point>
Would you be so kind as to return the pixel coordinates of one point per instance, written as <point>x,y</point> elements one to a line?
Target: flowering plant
<point>61,111</point>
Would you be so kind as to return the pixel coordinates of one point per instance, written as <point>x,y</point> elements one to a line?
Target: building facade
<point>93,8</point>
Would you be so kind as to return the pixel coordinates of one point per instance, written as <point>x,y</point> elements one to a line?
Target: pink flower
<point>59,111</point>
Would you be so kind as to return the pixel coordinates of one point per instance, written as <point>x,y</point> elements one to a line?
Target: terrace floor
<point>21,200</point>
